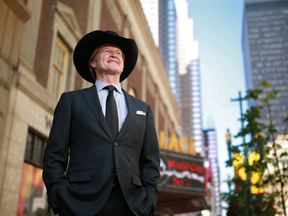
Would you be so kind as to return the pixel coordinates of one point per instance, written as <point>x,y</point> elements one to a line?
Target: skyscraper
<point>187,55</point>
<point>180,55</point>
<point>150,9</point>
<point>265,52</point>
<point>167,43</point>
<point>211,153</point>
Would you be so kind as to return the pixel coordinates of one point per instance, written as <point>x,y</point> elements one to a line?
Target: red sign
<point>181,173</point>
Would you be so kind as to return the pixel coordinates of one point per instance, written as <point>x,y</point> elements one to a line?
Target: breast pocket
<point>139,124</point>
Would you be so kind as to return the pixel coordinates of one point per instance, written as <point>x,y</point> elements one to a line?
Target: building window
<point>60,59</point>
<point>34,148</point>
<point>32,198</point>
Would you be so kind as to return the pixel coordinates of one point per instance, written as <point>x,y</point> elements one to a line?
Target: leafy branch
<point>259,180</point>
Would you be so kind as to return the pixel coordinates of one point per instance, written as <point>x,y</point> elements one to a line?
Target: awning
<point>178,203</point>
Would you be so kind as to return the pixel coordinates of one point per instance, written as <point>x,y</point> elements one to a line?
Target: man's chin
<point>115,70</point>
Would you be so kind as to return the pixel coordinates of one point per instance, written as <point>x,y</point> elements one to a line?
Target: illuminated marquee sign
<point>181,173</point>
<point>177,145</point>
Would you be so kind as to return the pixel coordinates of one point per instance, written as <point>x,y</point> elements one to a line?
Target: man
<point>109,135</point>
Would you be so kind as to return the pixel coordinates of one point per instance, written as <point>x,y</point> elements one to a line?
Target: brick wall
<point>81,10</point>
<point>107,22</point>
<point>44,43</point>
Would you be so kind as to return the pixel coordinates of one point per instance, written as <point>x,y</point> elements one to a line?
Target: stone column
<point>144,79</point>
<point>126,33</point>
<point>13,15</point>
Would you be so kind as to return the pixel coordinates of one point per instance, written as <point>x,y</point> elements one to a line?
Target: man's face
<point>109,60</point>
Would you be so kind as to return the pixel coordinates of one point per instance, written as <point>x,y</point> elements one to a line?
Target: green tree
<point>262,141</point>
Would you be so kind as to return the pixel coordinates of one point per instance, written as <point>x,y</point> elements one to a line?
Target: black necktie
<point>111,111</point>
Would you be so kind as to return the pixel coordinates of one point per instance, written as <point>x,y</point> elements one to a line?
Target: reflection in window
<point>39,147</point>
<point>32,194</point>
<point>29,146</point>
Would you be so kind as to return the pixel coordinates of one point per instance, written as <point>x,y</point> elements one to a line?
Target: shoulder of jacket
<point>137,100</point>
<point>75,92</point>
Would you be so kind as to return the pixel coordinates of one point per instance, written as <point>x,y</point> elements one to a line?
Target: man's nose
<point>113,54</point>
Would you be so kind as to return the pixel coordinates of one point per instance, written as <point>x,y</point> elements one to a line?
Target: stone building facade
<point>37,39</point>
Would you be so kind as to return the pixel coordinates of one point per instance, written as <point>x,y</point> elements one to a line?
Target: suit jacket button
<point>116,144</point>
<point>113,169</point>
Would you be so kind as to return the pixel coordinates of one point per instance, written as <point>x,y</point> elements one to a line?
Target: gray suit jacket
<point>79,127</point>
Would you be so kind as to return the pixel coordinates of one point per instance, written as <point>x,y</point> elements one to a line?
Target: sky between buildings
<point>218,28</point>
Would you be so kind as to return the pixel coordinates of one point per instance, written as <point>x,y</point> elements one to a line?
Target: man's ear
<point>93,64</point>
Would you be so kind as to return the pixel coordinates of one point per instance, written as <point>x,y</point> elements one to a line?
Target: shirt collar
<point>100,85</point>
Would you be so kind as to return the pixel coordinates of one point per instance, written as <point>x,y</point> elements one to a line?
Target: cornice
<point>19,8</point>
<point>69,17</point>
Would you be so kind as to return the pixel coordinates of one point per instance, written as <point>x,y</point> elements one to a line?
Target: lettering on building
<point>183,145</point>
<point>48,122</point>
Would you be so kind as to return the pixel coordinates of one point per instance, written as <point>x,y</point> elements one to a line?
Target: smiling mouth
<point>112,61</point>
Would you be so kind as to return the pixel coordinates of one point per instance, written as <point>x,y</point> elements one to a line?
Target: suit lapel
<point>92,99</point>
<point>131,104</point>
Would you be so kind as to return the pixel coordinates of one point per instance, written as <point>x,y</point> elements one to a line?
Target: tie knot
<point>110,88</point>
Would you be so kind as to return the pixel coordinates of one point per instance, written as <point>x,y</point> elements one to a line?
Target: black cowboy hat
<point>89,42</point>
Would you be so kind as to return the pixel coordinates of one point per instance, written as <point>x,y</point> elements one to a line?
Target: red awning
<point>180,203</point>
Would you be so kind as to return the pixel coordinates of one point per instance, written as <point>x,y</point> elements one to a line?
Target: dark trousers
<point>116,204</point>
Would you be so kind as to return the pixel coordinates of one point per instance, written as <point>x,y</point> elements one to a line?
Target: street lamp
<point>228,140</point>
<point>229,181</point>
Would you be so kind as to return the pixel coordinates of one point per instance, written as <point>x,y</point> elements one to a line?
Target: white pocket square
<point>140,112</point>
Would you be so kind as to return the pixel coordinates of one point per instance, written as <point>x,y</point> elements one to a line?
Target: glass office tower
<point>187,55</point>
<point>150,9</point>
<point>212,152</point>
<point>195,108</point>
<point>167,43</point>
<point>265,52</point>
<point>180,55</point>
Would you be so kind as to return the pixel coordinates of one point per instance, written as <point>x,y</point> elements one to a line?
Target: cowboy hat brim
<point>89,42</point>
